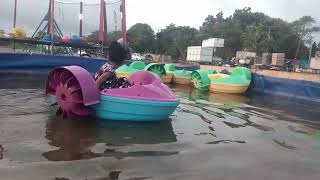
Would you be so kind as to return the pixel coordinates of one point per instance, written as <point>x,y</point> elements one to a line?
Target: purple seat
<point>145,86</point>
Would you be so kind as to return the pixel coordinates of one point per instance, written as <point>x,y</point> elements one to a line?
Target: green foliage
<point>109,37</point>
<point>2,43</point>
<point>174,40</point>
<point>41,34</point>
<point>244,30</point>
<point>314,49</point>
<point>303,29</point>
<point>254,31</point>
<point>141,38</point>
<point>256,39</point>
<point>93,37</point>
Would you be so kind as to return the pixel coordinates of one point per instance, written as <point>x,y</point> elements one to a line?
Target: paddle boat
<point>182,77</point>
<point>219,100</point>
<point>167,79</point>
<point>127,71</point>
<point>18,32</point>
<point>74,90</point>
<point>236,83</point>
<point>200,80</point>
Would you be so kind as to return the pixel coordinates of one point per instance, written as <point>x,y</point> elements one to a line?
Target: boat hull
<point>228,88</point>
<point>167,79</point>
<point>122,109</point>
<point>124,74</point>
<point>181,80</point>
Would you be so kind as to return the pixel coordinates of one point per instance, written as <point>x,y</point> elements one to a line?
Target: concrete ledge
<point>276,74</point>
<point>289,75</point>
<point>292,85</point>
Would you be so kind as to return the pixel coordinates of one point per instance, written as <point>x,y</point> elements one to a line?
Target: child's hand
<point>102,79</point>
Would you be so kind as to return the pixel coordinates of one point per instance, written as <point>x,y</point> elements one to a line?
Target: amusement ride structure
<point>51,28</point>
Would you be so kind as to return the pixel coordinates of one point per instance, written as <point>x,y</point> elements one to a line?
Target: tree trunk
<point>299,44</point>
<point>295,57</point>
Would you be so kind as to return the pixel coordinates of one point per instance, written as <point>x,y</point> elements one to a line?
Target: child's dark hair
<point>117,53</point>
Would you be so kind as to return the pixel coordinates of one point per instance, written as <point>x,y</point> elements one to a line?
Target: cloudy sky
<point>157,13</point>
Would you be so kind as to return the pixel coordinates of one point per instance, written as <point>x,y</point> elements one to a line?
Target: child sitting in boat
<point>106,77</point>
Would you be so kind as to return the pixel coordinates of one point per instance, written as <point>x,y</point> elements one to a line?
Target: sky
<point>156,13</point>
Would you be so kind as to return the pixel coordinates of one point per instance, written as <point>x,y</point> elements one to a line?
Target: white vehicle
<point>213,42</point>
<point>83,54</point>
<point>138,57</point>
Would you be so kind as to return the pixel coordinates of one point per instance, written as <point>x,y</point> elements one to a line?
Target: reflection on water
<point>208,136</point>
<point>127,133</point>
<point>233,125</point>
<point>288,109</point>
<point>120,155</point>
<point>181,89</point>
<point>76,138</point>
<point>284,144</point>
<point>203,118</point>
<point>61,178</point>
<point>73,138</point>
<point>226,142</point>
<point>1,151</point>
<point>302,129</point>
<point>228,99</point>
<point>227,103</point>
<point>24,81</point>
<point>221,100</point>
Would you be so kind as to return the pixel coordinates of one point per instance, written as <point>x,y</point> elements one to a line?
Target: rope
<point>70,2</point>
<point>113,2</point>
<point>97,3</point>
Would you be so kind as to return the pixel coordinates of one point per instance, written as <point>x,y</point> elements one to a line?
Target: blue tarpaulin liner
<point>39,64</point>
<point>304,63</point>
<point>296,89</point>
<point>225,71</point>
<point>188,68</point>
<point>295,107</point>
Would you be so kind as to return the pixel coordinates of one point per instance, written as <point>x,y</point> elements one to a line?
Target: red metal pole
<point>51,23</point>
<point>81,16</point>
<point>105,19</point>
<point>15,14</point>
<point>124,23</point>
<point>102,21</point>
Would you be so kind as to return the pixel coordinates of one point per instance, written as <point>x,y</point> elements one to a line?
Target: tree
<point>109,37</point>
<point>218,27</point>
<point>3,43</point>
<point>41,34</point>
<point>304,29</point>
<point>174,40</point>
<point>257,32</point>
<point>256,39</point>
<point>141,38</point>
<point>93,37</point>
<point>314,49</point>
<point>1,32</point>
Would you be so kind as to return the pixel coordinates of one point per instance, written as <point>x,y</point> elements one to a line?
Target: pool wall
<point>40,64</point>
<point>295,89</point>
<point>292,85</point>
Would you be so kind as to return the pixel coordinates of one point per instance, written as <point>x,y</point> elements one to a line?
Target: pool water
<point>210,136</point>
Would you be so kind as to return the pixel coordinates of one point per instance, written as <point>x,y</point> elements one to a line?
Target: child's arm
<point>102,78</point>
